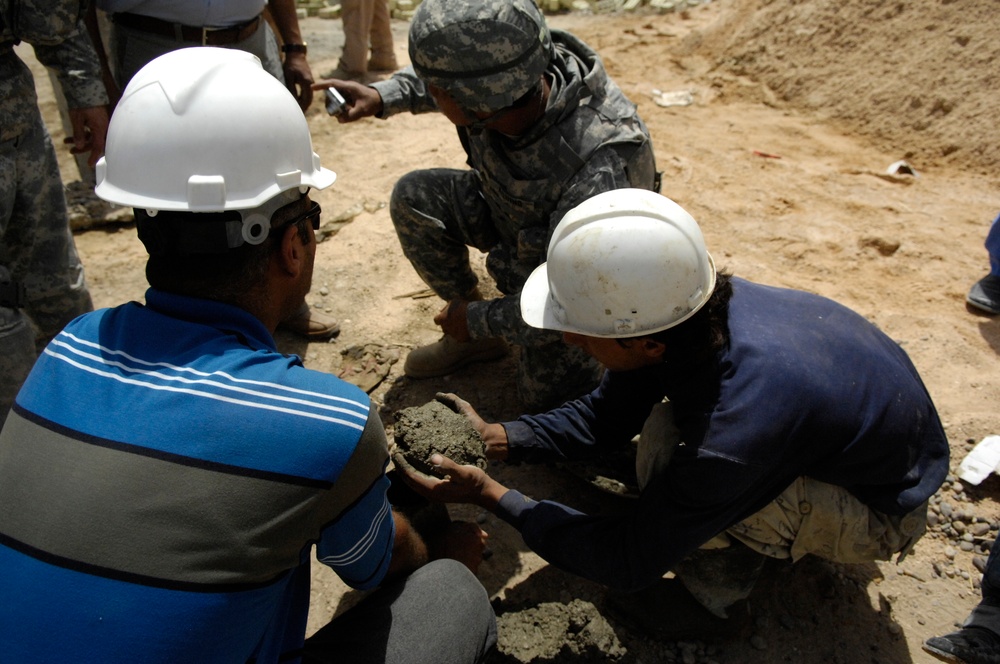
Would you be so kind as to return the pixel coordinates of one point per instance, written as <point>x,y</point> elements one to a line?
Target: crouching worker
<point>165,471</point>
<point>774,423</point>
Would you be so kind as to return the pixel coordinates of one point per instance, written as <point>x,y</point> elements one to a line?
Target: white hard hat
<point>206,130</point>
<point>624,263</point>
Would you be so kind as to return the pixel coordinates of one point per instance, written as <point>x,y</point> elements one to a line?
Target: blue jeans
<point>439,614</point>
<point>987,613</point>
<point>993,247</point>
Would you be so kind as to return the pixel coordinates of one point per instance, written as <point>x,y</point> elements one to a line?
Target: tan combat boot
<point>312,324</point>
<point>448,355</point>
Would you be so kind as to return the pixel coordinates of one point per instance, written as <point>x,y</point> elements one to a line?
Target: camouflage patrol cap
<point>485,53</point>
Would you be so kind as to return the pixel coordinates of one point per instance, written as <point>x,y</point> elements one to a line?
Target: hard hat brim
<point>536,301</point>
<point>538,308</point>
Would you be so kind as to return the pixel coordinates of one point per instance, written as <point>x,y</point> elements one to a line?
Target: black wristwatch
<point>294,48</point>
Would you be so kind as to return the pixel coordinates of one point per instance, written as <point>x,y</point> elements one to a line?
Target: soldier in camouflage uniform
<point>41,279</point>
<point>544,128</point>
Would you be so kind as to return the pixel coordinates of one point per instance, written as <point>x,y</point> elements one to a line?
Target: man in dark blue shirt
<point>774,422</point>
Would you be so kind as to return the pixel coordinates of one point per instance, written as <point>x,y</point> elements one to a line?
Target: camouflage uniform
<point>36,246</point>
<point>590,140</point>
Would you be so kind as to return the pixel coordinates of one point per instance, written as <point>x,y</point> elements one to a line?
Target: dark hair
<point>233,276</point>
<point>703,335</point>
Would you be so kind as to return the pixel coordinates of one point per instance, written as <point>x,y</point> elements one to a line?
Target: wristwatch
<point>294,48</point>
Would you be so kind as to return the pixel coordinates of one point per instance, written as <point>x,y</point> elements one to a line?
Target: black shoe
<point>969,645</point>
<point>985,294</point>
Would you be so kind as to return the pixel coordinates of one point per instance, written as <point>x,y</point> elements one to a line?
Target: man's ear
<point>292,254</point>
<point>653,348</point>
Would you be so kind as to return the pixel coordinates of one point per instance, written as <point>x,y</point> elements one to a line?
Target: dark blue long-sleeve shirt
<point>806,387</point>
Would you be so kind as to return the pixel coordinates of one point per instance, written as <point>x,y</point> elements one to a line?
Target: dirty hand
<point>494,436</point>
<point>362,101</point>
<point>454,321</point>
<point>90,130</point>
<point>463,541</point>
<point>461,484</point>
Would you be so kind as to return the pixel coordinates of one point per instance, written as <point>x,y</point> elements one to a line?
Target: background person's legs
<point>439,614</point>
<point>985,293</point>
<point>37,251</point>
<point>987,614</point>
<point>383,56</point>
<point>357,19</point>
<point>17,355</point>
<point>978,642</point>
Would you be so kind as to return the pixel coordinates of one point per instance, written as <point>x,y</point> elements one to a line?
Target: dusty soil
<point>798,110</point>
<point>434,428</point>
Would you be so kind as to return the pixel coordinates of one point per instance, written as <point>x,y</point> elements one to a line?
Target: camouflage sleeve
<point>604,171</point>
<point>404,91</point>
<point>65,48</point>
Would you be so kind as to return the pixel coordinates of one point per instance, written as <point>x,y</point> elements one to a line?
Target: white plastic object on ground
<point>981,461</point>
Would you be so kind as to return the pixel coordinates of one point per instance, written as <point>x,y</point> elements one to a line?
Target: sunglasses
<point>311,215</point>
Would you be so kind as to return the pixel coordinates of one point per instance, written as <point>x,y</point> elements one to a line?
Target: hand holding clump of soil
<point>435,428</point>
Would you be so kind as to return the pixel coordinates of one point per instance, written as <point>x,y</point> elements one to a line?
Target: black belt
<point>188,33</point>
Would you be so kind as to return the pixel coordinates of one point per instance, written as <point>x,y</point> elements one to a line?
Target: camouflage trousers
<point>438,214</point>
<point>37,250</point>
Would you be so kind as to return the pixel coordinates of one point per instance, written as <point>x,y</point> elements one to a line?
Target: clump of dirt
<point>434,428</point>
<point>557,632</point>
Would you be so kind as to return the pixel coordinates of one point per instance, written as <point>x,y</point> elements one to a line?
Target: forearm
<point>609,416</point>
<point>286,20</point>
<point>404,92</point>
<point>623,550</point>
<point>75,63</point>
<point>409,551</point>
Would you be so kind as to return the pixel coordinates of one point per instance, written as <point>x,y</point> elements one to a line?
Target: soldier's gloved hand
<point>494,435</point>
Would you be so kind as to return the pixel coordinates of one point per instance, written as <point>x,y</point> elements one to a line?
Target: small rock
<point>980,529</point>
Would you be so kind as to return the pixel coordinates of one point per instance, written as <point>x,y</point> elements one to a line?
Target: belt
<point>188,33</point>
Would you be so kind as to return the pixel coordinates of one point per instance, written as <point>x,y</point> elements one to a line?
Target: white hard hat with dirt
<point>624,263</point>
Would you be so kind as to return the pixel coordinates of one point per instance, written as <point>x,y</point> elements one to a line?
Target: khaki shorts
<point>808,517</point>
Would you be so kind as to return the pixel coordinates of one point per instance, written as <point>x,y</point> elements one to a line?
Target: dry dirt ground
<point>798,110</point>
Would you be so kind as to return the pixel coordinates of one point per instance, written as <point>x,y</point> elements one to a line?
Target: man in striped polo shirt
<point>165,471</point>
